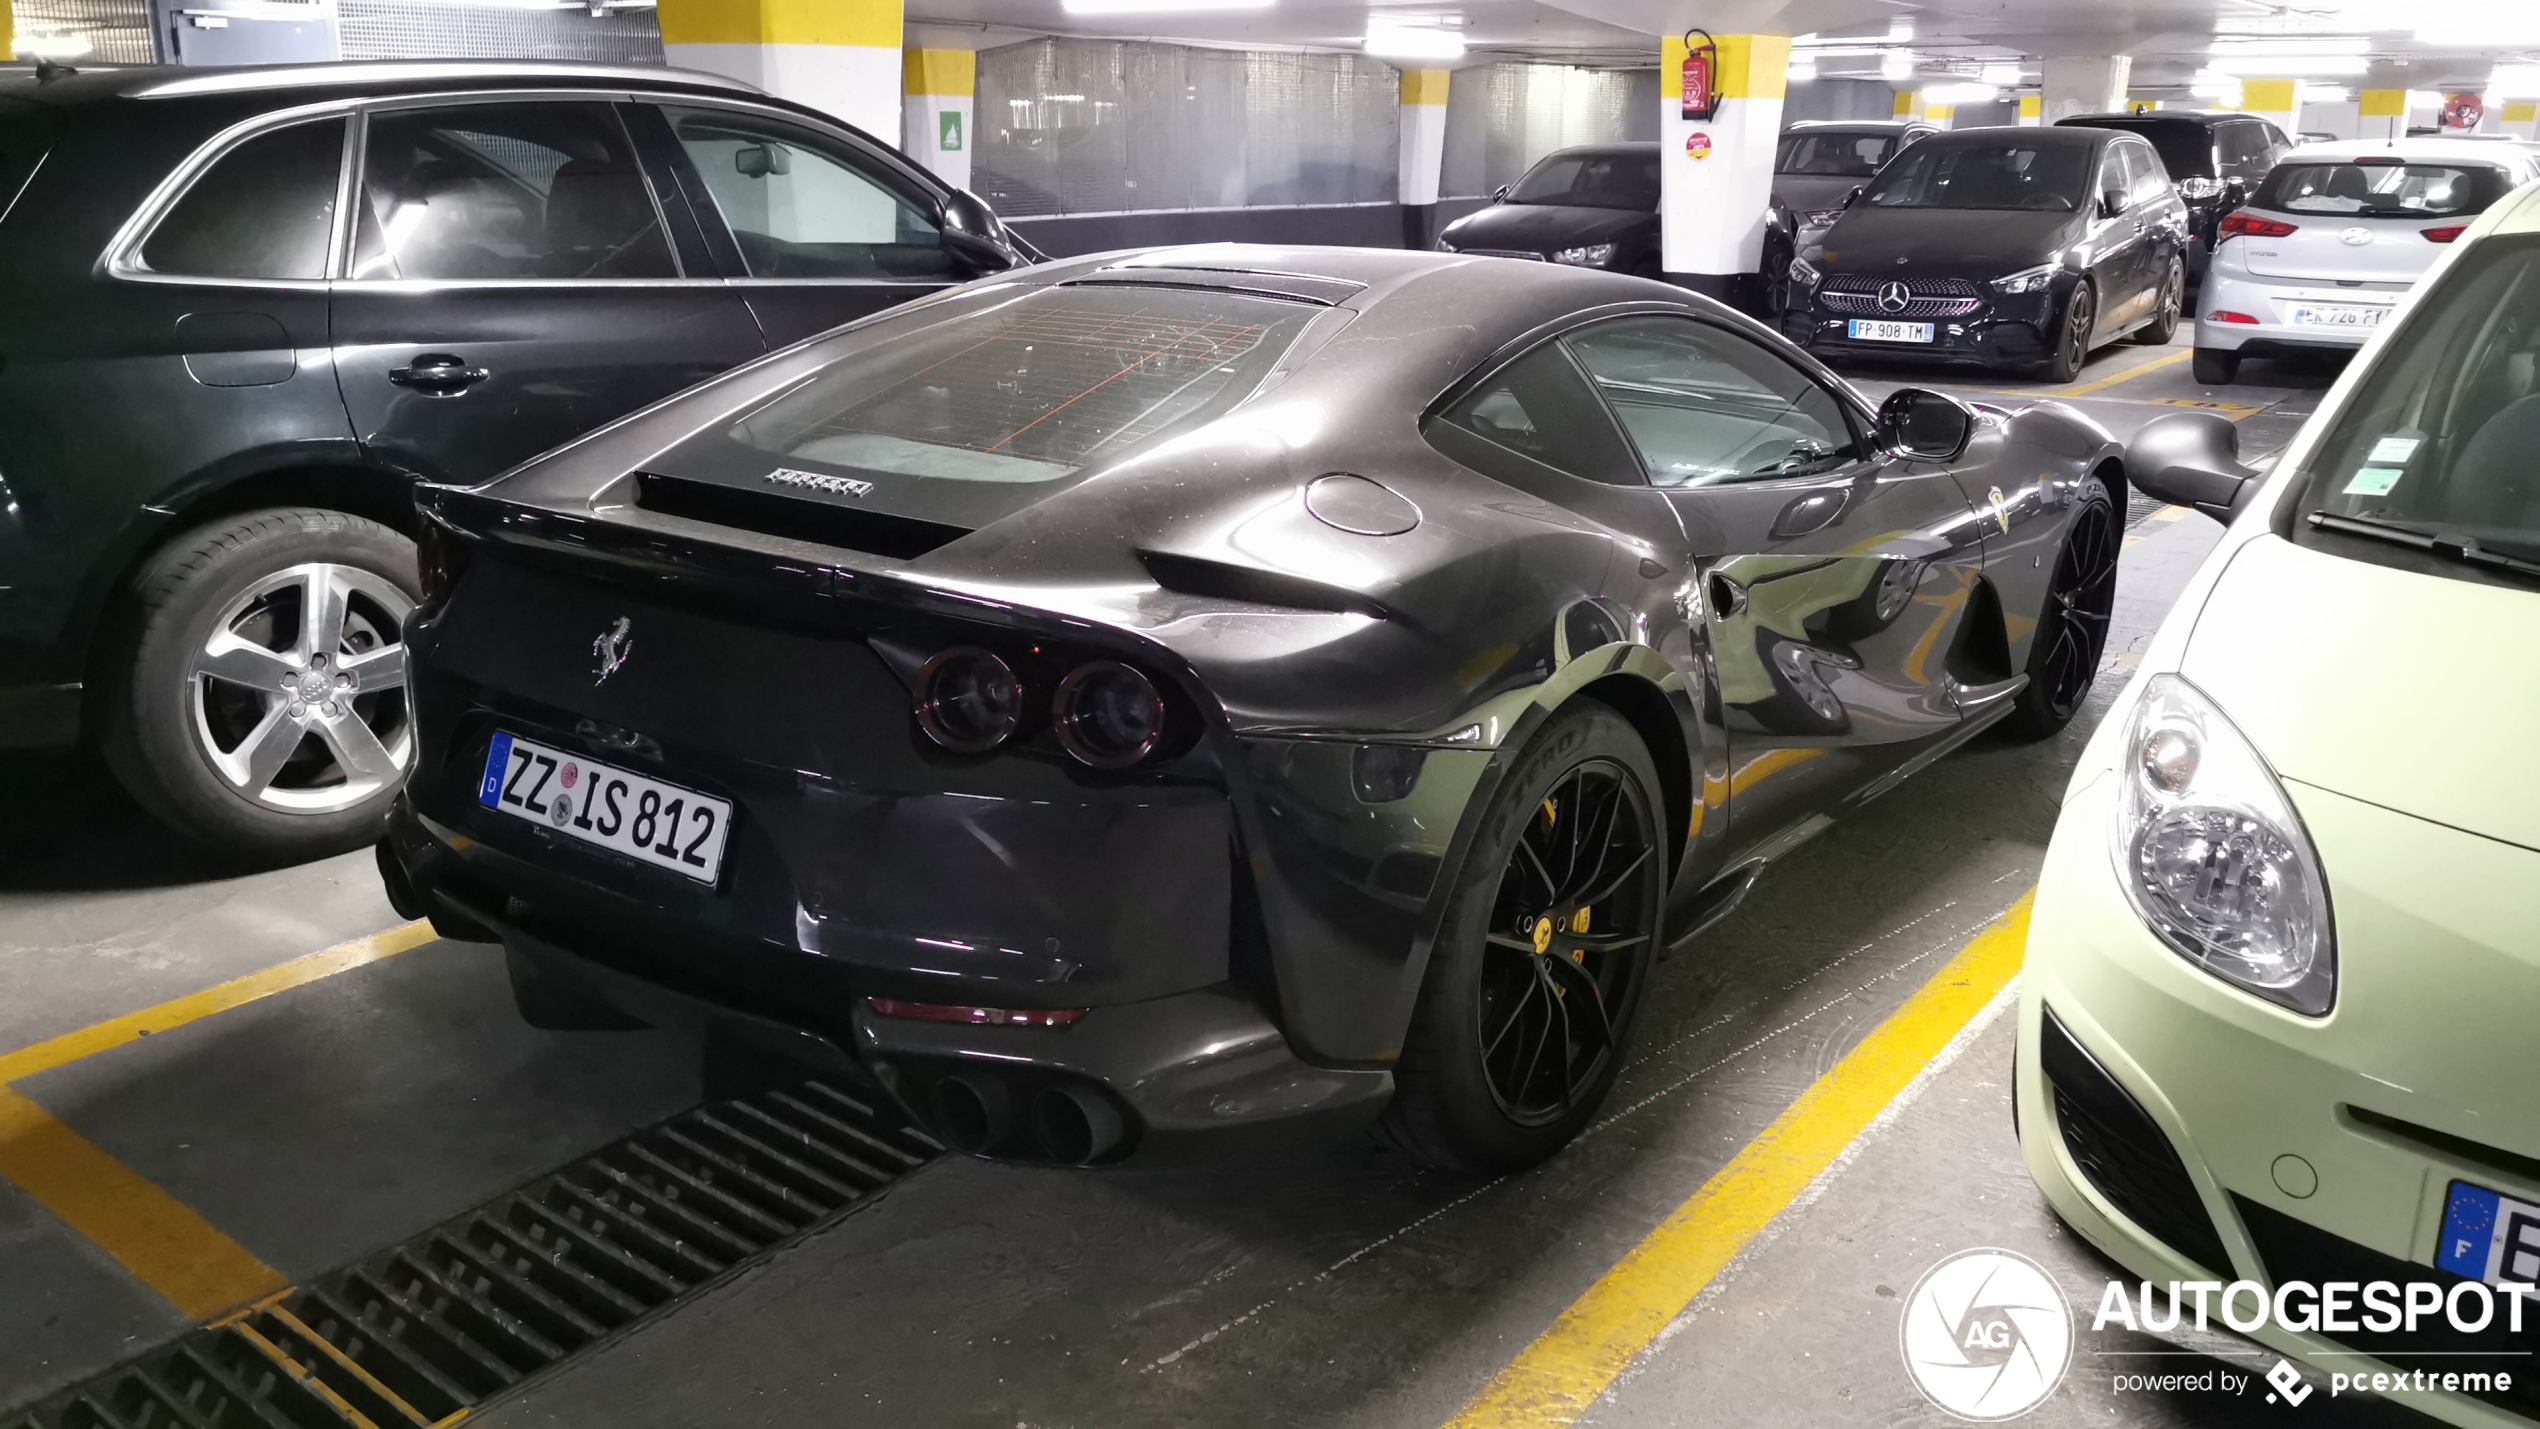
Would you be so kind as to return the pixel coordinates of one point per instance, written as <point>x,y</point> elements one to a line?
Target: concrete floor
<point>1342,1288</point>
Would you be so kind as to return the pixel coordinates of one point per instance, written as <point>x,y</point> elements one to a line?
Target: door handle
<point>438,374</point>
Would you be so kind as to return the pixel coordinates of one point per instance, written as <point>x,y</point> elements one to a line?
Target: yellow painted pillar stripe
<point>1907,101</point>
<point>950,73</point>
<point>1941,112</point>
<point>2267,96</point>
<point>157,1237</point>
<point>8,33</point>
<point>2517,111</point>
<point>2382,104</point>
<point>2032,106</point>
<point>1747,67</point>
<point>1555,1380</point>
<point>1428,86</point>
<point>161,1240</point>
<point>781,22</point>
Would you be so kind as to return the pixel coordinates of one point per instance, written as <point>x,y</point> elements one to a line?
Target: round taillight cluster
<point>1105,714</point>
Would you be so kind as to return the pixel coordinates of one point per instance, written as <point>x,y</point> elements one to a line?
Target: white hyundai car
<point>2276,1019</point>
<point>2336,233</point>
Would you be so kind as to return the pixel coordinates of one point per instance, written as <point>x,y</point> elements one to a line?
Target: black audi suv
<point>2019,249</point>
<point>247,310</point>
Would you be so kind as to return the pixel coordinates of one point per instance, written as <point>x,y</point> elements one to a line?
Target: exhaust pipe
<point>1075,1125</point>
<point>973,1113</point>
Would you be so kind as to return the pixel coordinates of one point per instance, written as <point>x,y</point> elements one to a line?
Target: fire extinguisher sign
<point>1701,76</point>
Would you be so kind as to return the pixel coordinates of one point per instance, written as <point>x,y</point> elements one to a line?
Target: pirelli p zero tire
<point>2072,628</point>
<point>1552,925</point>
<point>254,691</point>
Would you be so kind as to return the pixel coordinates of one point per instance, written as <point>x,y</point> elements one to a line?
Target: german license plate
<point>1873,330</point>
<point>2490,1237</point>
<point>624,812</point>
<point>2336,315</point>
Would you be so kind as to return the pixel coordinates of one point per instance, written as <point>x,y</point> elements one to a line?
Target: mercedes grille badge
<point>611,649</point>
<point>1893,296</point>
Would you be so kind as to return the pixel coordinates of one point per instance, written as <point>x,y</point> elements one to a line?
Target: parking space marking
<point>160,1239</point>
<point>165,1243</point>
<point>2098,385</point>
<point>237,992</point>
<point>1556,1379</point>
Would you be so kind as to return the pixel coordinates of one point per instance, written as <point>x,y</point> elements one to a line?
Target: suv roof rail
<point>246,79</point>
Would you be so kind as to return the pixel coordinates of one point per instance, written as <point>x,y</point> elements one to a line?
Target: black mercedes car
<point>2019,249</point>
<point>1597,207</point>
<point>2216,161</point>
<point>248,309</point>
<point>1222,692</point>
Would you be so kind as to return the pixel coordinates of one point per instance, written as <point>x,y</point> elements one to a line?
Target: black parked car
<point>1179,697</point>
<point>1818,163</point>
<point>2013,248</point>
<point>1597,207</point>
<point>2215,160</point>
<point>247,310</point>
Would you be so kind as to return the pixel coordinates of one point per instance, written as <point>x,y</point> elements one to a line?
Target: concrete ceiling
<point>2417,44</point>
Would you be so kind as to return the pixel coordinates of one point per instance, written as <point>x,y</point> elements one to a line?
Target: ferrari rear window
<point>1030,389</point>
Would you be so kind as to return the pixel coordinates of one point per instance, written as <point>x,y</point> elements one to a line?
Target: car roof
<point>2202,118</point>
<point>2443,151</point>
<point>1628,146</point>
<point>1996,133</point>
<point>1863,126</point>
<point>356,78</point>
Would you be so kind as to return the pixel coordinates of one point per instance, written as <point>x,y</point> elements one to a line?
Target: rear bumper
<point>2230,288</point>
<point>1195,1074</point>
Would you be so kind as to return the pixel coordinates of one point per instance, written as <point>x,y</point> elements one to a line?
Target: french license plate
<point>1873,330</point>
<point>2490,1237</point>
<point>2335,315</point>
<point>645,819</point>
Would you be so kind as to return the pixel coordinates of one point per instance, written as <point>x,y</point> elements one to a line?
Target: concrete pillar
<point>2332,116</point>
<point>8,34</point>
<point>2384,114</point>
<point>2032,110</point>
<point>1715,176</point>
<point>1940,114</point>
<point>2277,101</point>
<point>1423,131</point>
<point>839,56</point>
<point>2519,117</point>
<point>2086,84</point>
<point>1909,103</point>
<point>937,115</point>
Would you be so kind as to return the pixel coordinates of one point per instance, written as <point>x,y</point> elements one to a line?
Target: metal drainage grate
<point>421,1334</point>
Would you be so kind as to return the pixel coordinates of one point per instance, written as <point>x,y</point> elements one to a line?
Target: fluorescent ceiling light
<point>2215,85</point>
<point>1961,94</point>
<point>1896,64</point>
<point>2001,76</point>
<point>1391,37</point>
<point>1152,7</point>
<point>2288,66</point>
<point>2484,27</point>
<point>1899,30</point>
<point>2322,94</point>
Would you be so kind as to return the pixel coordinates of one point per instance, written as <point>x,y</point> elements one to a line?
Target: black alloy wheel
<point>2072,631</point>
<point>1548,934</point>
<point>1570,931</point>
<point>2072,341</point>
<point>2164,324</point>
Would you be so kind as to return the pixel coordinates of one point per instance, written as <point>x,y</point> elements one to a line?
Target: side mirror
<point>2192,459</point>
<point>1500,194</point>
<point>757,161</point>
<point>2112,203</point>
<point>1854,196</point>
<point>1918,422</point>
<point>973,231</point>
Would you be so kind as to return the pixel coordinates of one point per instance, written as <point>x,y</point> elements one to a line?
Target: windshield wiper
<point>2461,550</point>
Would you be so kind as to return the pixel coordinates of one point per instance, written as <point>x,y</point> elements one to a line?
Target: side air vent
<point>2121,1149</point>
<point>1216,580</point>
<point>796,518</point>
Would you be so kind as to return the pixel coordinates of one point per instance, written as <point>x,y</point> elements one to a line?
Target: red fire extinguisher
<point>1702,62</point>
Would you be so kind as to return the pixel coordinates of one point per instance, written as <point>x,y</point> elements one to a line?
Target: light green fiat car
<point>2280,1020</point>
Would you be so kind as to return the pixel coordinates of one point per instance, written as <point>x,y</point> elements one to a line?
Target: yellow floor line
<point>1555,1380</point>
<point>237,992</point>
<point>161,1240</point>
<point>2131,373</point>
<point>158,1238</point>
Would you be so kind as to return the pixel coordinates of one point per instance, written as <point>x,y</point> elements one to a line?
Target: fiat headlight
<point>1595,255</point>
<point>2213,856</point>
<point>2028,280</point>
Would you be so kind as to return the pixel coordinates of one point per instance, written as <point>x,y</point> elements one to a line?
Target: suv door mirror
<point>2192,459</point>
<point>1918,422</point>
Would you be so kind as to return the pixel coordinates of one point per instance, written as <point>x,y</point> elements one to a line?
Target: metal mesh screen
<point>1501,118</point>
<point>1103,126</point>
<point>450,29</point>
<point>117,31</point>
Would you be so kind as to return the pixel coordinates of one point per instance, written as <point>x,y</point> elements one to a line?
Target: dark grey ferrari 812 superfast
<point>1160,701</point>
